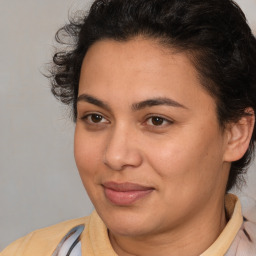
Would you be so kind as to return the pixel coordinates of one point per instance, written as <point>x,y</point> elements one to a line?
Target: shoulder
<point>42,241</point>
<point>245,240</point>
<point>247,234</point>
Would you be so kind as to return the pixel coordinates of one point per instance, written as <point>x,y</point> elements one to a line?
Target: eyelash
<point>163,119</point>
<point>85,118</point>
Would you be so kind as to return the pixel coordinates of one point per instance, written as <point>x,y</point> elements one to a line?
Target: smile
<point>124,194</point>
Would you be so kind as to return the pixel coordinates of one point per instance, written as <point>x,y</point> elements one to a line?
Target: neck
<point>183,240</point>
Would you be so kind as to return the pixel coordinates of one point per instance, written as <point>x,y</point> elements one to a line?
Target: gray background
<point>39,184</point>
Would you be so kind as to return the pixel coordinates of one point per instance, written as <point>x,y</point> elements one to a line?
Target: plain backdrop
<point>39,183</point>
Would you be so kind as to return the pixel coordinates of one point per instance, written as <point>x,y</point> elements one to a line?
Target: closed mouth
<point>126,193</point>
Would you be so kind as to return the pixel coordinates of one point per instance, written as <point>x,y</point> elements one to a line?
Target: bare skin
<point>145,119</point>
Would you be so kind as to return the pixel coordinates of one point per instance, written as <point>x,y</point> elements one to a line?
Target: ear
<point>238,136</point>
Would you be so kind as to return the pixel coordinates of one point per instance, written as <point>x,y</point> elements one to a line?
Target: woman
<point>164,99</point>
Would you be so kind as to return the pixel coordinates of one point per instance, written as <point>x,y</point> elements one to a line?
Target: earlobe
<point>238,136</point>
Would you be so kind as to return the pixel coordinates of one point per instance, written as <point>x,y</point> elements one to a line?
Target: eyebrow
<point>94,101</point>
<point>156,102</point>
<point>136,106</point>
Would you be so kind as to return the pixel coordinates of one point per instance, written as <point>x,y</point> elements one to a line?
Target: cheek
<point>186,162</point>
<point>188,173</point>
<point>87,153</point>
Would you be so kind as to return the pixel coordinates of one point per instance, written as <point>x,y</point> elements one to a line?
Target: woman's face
<point>148,145</point>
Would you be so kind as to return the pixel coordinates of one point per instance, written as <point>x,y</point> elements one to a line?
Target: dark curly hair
<point>214,33</point>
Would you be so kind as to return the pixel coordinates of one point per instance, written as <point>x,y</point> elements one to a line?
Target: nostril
<point>119,159</point>
<point>114,160</point>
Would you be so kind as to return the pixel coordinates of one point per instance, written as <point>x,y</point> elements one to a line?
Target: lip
<point>125,194</point>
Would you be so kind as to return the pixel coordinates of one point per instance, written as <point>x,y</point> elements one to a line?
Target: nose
<point>122,150</point>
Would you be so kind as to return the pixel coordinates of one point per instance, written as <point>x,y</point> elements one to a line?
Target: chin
<point>127,221</point>
<point>129,230</point>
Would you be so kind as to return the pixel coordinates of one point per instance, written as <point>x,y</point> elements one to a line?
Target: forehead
<point>142,66</point>
<point>141,54</point>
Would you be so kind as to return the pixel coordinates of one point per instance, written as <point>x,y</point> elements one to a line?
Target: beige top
<point>95,240</point>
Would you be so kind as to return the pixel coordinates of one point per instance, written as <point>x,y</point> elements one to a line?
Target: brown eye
<point>157,120</point>
<point>95,118</point>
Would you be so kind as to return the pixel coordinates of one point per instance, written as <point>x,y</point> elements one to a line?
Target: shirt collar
<point>227,236</point>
